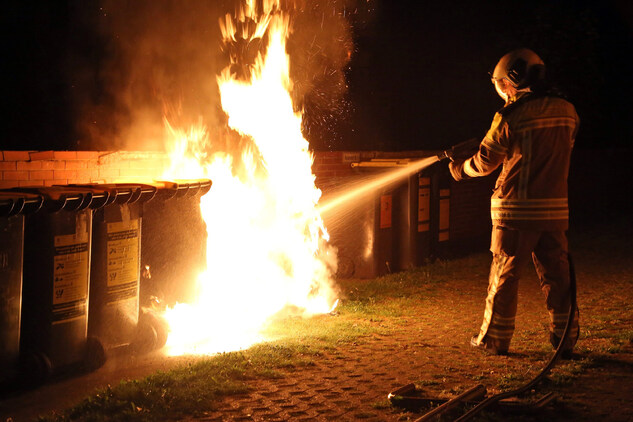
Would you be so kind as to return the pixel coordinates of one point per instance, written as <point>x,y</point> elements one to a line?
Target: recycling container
<point>13,207</point>
<point>117,319</point>
<point>56,274</point>
<point>395,220</point>
<point>115,266</point>
<point>174,242</point>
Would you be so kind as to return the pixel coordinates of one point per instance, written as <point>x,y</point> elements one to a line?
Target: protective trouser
<point>511,251</point>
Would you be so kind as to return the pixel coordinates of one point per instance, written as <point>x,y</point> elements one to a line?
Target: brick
<point>8,165</point>
<point>6,184</point>
<point>65,155</point>
<point>333,167</point>
<point>31,183</point>
<point>42,155</point>
<point>76,164</point>
<point>41,174</point>
<point>55,182</point>
<point>86,174</point>
<point>325,174</point>
<point>146,164</point>
<point>16,156</point>
<point>65,174</point>
<point>328,154</point>
<point>331,160</point>
<point>123,164</point>
<point>132,173</point>
<point>78,181</point>
<point>53,165</point>
<point>108,173</point>
<point>88,155</point>
<point>29,165</point>
<point>114,164</point>
<point>15,175</point>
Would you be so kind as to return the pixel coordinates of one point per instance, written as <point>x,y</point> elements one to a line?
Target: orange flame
<point>267,246</point>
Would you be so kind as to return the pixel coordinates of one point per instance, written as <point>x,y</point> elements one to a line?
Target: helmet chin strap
<point>503,87</point>
<point>500,91</point>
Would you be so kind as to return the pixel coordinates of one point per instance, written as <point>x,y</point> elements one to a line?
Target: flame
<point>267,247</point>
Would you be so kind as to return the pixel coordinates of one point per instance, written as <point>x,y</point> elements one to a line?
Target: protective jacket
<point>532,136</point>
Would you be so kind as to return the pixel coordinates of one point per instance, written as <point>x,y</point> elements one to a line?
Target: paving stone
<point>217,418</point>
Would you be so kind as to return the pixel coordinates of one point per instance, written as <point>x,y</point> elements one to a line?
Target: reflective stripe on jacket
<point>532,137</point>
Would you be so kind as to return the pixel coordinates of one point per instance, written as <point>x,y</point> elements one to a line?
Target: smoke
<point>155,59</point>
<point>320,50</point>
<point>151,60</point>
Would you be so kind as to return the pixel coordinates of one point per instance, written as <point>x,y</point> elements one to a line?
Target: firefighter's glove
<point>456,167</point>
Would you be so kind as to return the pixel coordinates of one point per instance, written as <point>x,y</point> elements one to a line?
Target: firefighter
<point>531,138</point>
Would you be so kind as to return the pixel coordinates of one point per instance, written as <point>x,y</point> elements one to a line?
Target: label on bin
<point>70,277</point>
<point>424,204</point>
<point>444,215</point>
<point>385,211</point>
<point>123,260</point>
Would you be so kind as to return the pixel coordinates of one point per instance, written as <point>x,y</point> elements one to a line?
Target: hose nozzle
<point>462,150</point>
<point>447,154</point>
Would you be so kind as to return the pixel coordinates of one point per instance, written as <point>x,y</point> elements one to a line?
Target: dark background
<point>389,75</point>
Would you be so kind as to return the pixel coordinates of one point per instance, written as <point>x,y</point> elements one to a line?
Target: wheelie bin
<point>116,318</point>
<point>115,270</point>
<point>174,242</point>
<point>13,207</point>
<point>56,274</point>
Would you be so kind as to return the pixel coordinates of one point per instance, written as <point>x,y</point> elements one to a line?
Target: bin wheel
<point>146,336</point>
<point>162,331</point>
<point>36,368</point>
<point>95,354</point>
<point>151,332</point>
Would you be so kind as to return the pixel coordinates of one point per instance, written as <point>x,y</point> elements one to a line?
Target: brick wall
<point>47,168</point>
<point>469,200</point>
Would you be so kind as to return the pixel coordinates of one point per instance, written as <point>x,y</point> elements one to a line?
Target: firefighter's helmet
<point>521,68</point>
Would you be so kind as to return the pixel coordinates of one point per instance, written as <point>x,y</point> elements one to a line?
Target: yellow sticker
<point>123,260</point>
<point>70,276</point>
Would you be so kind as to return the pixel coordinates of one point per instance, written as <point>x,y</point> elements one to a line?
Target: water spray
<point>403,168</point>
<point>400,168</point>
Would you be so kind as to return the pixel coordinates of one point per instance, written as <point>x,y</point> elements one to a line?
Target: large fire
<point>267,247</point>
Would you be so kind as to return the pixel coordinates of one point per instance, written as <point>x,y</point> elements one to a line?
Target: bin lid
<point>57,198</point>
<point>122,193</point>
<point>13,203</point>
<point>182,187</point>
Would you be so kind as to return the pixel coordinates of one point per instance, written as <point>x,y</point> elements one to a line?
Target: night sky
<point>370,75</point>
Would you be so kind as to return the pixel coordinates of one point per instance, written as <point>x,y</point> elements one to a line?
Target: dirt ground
<point>429,348</point>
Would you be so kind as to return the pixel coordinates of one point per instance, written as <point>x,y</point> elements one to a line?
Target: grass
<point>442,301</point>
